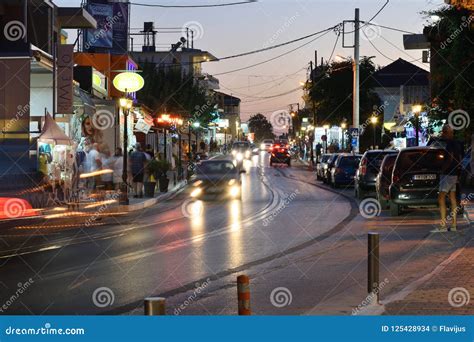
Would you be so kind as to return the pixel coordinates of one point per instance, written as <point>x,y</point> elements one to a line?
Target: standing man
<point>449,178</point>
<point>138,161</point>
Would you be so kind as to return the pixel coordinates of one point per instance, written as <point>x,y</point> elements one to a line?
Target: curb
<point>149,202</point>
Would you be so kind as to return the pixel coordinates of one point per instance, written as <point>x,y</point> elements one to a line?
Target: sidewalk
<point>450,289</point>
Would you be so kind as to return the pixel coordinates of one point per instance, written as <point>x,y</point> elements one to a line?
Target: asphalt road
<point>285,227</point>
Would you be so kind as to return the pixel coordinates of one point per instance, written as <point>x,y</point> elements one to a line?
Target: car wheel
<point>271,163</point>
<point>289,163</point>
<point>394,209</point>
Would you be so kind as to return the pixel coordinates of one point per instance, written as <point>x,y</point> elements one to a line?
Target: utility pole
<point>355,100</point>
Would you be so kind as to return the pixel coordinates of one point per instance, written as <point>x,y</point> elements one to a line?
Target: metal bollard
<point>373,265</point>
<point>155,306</point>
<point>243,295</point>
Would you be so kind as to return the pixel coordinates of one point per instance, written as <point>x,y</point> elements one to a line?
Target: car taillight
<point>395,178</point>
<point>339,170</point>
<point>282,150</point>
<point>363,166</point>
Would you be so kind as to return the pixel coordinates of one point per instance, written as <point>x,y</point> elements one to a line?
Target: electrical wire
<point>194,6</point>
<point>273,58</point>
<point>390,28</point>
<point>279,45</point>
<point>373,17</point>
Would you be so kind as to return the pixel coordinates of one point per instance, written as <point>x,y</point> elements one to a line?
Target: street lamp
<point>126,82</point>
<point>343,128</point>
<point>125,104</point>
<point>416,109</point>
<point>374,120</point>
<point>326,127</point>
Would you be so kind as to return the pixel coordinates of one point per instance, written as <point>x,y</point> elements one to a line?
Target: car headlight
<point>234,152</point>
<point>196,192</point>
<point>255,150</point>
<point>239,156</point>
<point>247,154</point>
<point>234,191</point>
<point>262,146</point>
<point>232,182</point>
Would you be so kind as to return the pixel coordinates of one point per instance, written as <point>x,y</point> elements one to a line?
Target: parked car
<point>344,169</point>
<point>384,179</point>
<point>328,167</point>
<point>415,178</point>
<point>364,181</point>
<point>321,166</point>
<point>266,144</point>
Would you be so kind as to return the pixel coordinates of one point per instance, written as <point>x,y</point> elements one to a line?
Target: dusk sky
<point>225,31</point>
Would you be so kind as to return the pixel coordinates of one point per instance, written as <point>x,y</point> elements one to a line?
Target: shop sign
<point>64,89</point>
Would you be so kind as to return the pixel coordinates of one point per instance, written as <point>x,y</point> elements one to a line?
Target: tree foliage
<point>262,128</point>
<point>332,91</point>
<point>169,90</point>
<point>452,67</point>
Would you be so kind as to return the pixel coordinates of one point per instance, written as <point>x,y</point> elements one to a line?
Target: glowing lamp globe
<point>128,82</point>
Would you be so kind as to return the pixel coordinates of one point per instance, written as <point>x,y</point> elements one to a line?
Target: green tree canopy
<point>332,91</point>
<point>262,128</point>
<point>169,90</point>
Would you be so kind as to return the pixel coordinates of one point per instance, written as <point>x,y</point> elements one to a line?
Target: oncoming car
<point>218,178</point>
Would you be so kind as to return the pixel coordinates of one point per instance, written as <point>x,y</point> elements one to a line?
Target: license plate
<point>424,177</point>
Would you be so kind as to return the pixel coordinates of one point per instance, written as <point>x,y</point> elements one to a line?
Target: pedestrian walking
<point>449,179</point>
<point>117,168</point>
<point>138,161</point>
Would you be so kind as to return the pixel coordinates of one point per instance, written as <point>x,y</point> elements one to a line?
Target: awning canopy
<point>52,133</point>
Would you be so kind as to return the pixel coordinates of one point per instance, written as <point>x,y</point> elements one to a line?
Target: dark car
<point>344,169</point>
<point>328,167</point>
<point>384,179</point>
<point>216,177</point>
<point>415,178</point>
<point>369,166</point>
<point>241,150</point>
<point>320,167</point>
<point>280,155</point>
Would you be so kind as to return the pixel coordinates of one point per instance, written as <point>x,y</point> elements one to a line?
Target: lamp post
<point>416,109</point>
<point>343,128</point>
<point>326,127</point>
<point>374,120</point>
<point>125,104</point>
<point>126,82</point>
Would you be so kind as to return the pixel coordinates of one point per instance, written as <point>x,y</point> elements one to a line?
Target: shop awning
<point>52,133</point>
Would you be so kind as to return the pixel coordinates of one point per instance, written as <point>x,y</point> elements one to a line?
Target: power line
<point>279,45</point>
<point>273,58</point>
<point>194,6</point>
<point>373,17</point>
<point>389,28</point>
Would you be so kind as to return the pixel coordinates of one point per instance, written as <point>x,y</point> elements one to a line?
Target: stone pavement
<point>449,290</point>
